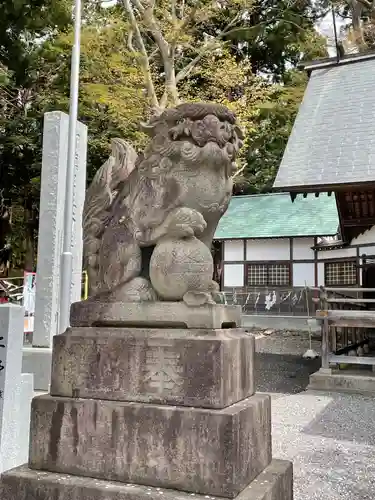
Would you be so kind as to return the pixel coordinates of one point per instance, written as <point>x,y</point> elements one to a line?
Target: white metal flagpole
<point>67,256</point>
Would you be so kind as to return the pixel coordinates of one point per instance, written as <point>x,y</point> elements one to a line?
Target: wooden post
<point>323,297</point>
<point>325,344</point>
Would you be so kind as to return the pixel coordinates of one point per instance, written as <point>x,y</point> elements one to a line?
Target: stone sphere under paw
<point>181,266</point>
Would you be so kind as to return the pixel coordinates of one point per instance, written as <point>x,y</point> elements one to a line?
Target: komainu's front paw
<point>196,299</point>
<point>186,222</point>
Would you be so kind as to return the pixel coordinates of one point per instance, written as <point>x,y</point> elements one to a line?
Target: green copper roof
<point>275,216</point>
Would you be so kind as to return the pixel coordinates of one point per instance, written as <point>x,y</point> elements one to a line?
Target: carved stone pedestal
<point>136,413</point>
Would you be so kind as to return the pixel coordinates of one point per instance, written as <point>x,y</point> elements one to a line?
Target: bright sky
<point>325,27</point>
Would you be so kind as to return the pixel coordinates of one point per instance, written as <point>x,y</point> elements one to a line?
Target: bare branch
<point>167,51</point>
<point>186,21</point>
<point>164,100</point>
<point>174,11</point>
<point>139,6</point>
<point>130,40</point>
<point>211,45</point>
<point>153,54</point>
<point>237,172</point>
<point>367,4</point>
<point>144,59</point>
<point>155,30</point>
<point>206,48</point>
<point>191,65</point>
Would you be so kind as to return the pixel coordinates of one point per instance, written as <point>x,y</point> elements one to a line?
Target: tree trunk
<point>5,228</point>
<point>29,221</point>
<point>356,11</point>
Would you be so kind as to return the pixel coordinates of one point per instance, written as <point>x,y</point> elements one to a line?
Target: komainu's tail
<point>99,198</point>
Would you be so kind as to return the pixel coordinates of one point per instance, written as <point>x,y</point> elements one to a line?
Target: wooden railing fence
<point>346,325</point>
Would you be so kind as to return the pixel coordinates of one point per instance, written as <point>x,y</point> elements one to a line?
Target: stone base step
<point>353,381</point>
<point>212,452</point>
<point>22,483</point>
<point>204,368</point>
<point>154,315</point>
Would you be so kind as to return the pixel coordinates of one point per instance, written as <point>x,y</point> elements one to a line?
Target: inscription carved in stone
<point>162,370</point>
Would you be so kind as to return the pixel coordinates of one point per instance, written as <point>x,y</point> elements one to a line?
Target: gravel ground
<point>284,342</point>
<point>330,438</point>
<point>279,365</point>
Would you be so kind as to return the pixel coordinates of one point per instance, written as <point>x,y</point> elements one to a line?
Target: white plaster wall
<point>337,254</point>
<point>304,274</point>
<point>233,250</point>
<point>366,237</point>
<point>233,275</point>
<point>367,250</point>
<point>268,249</point>
<point>302,248</point>
<point>320,273</point>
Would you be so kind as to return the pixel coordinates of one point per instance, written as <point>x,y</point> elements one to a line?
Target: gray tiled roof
<point>333,137</point>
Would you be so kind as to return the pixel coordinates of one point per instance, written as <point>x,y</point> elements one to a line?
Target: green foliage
<point>112,102</point>
<point>24,25</point>
<point>254,48</point>
<point>221,78</point>
<point>275,118</point>
<point>267,141</point>
<point>250,68</point>
<point>273,36</point>
<point>255,74</point>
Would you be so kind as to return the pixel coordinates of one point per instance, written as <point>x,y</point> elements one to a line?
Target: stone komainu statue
<point>149,220</point>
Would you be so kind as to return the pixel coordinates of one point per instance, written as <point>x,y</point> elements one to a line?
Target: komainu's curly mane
<point>98,202</point>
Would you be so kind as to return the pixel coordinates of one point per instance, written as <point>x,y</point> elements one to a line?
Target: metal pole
<point>67,257</point>
<point>335,35</point>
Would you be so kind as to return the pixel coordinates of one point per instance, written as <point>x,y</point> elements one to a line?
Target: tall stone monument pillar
<point>37,359</point>
<point>152,390</point>
<point>16,390</point>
